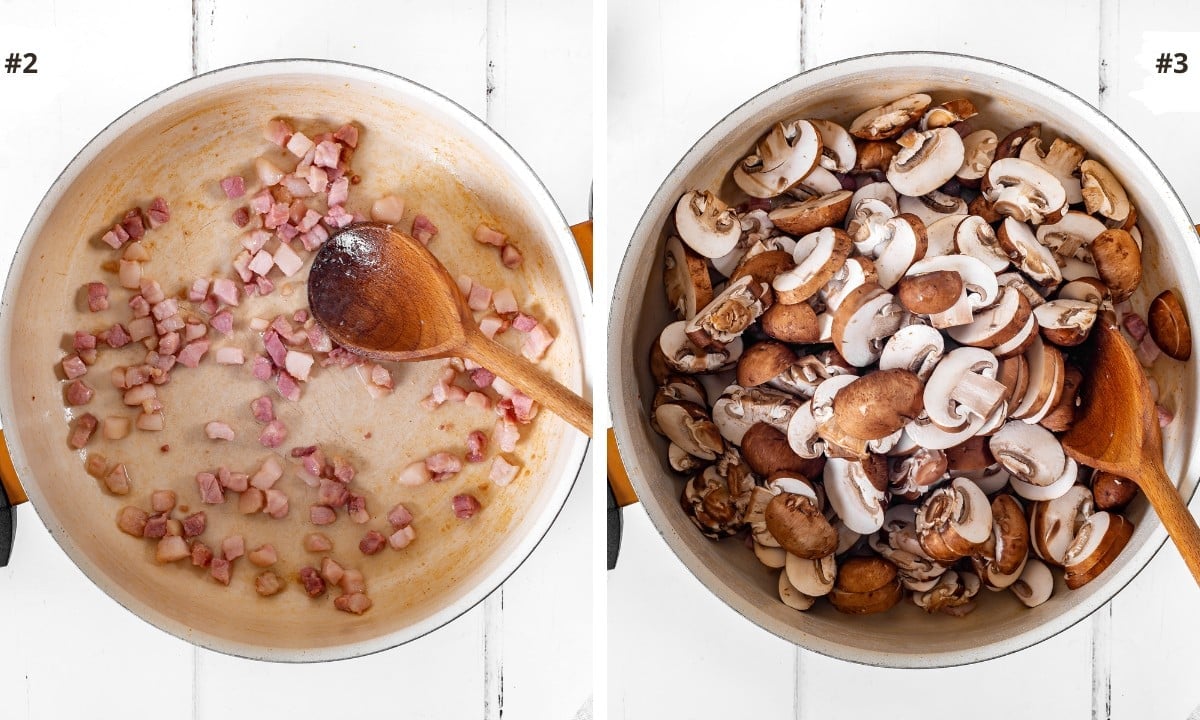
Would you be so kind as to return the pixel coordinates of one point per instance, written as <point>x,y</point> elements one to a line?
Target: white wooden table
<point>676,67</point>
<point>66,649</point>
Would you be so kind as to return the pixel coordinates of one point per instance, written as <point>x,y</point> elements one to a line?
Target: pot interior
<point>179,145</point>
<point>1007,99</point>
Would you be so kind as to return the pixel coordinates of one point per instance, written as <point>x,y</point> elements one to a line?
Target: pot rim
<point>624,405</point>
<point>574,275</point>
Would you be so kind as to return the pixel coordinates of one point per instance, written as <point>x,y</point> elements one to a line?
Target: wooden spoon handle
<point>529,379</point>
<point>1180,524</point>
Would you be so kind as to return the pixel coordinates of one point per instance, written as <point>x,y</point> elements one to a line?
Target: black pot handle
<point>620,494</point>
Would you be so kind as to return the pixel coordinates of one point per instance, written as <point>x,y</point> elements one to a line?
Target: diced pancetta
<point>287,260</point>
<point>251,501</point>
<point>73,367</point>
<point>348,134</point>
<point>230,356</point>
<point>416,473</point>
<point>210,489</point>
<point>277,131</point>
<point>263,409</point>
<point>97,296</point>
<point>195,524</point>
<point>524,323</point>
<point>217,430</point>
<point>298,364</point>
<point>504,301</point>
<point>79,393</point>
<point>273,435</point>
<point>81,432</point>
<point>262,368</point>
<point>287,386</point>
<point>443,465</point>
<point>202,555</point>
<point>317,543</point>
<point>488,236</point>
<point>465,506</point>
<point>537,342</point>
<point>233,547</point>
<point>314,586</point>
<point>117,481</point>
<point>171,548</point>
<point>191,353</point>
<point>155,525</point>
<point>268,172</point>
<point>321,515</point>
<point>263,556</point>
<point>254,241</point>
<point>327,154</point>
<point>267,584</point>
<point>502,472</point>
<point>510,256</point>
<point>388,209</point>
<point>277,503</point>
<point>506,434</point>
<point>115,427</point>
<point>476,446</point>
<point>423,229</point>
<point>241,217</point>
<point>162,500</point>
<point>169,344</point>
<point>220,570</point>
<point>372,542</point>
<point>356,603</point>
<point>233,186</point>
<point>480,297</point>
<point>402,538</point>
<point>478,400</point>
<point>356,508</point>
<point>225,291</point>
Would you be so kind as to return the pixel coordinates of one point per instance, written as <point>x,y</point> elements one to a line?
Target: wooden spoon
<point>1117,431</point>
<point>380,293</point>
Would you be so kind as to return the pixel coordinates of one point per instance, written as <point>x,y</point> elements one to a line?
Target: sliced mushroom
<point>717,502</point>
<point>811,215</point>
<point>1066,323</point>
<point>886,121</point>
<point>1002,556</point>
<point>1061,160</point>
<point>1054,524</point>
<point>916,348</point>
<point>856,491</point>
<point>897,542</point>
<point>1118,261</point>
<point>756,517</point>
<point>863,322</point>
<point>729,314</point>
<point>928,434</point>
<point>903,244</point>
<point>933,207</point>
<point>1023,191</point>
<point>866,585</point>
<point>782,158</point>
<point>688,426</point>
<point>795,323</point>
<point>680,355</point>
<point>854,272</point>
<point>818,256</point>
<point>878,404</point>
<point>1099,542</point>
<point>875,156</point>
<point>837,441</point>
<point>802,433</point>
<point>975,237</point>
<point>838,153</point>
<point>763,266</point>
<point>984,208</point>
<point>683,461</point>
<point>963,386</point>
<point>979,148</point>
<point>1047,375</point>
<point>1036,584</point>
<point>1023,248</point>
<point>685,275</point>
<point>1030,452</point>
<point>980,288</point>
<point>773,557</point>
<point>813,577</point>
<point>739,408</point>
<point>1112,492</point>
<point>1021,342</point>
<point>792,597</point>
<point>765,449</point>
<point>1020,283</point>
<point>1071,237</point>
<point>796,523</point>
<point>926,161</point>
<point>1169,326</point>
<point>953,520</point>
<point>951,595</point>
<point>762,362</point>
<point>939,235</point>
<point>680,387</point>
<point>914,475</point>
<point>997,324</point>
<point>1102,193</point>
<point>808,372</point>
<point>1056,489</point>
<point>1010,146</point>
<point>706,224</point>
<point>881,200</point>
<point>1062,415</point>
<point>948,113</point>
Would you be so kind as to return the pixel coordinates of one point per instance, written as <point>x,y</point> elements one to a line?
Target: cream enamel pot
<point>447,164</point>
<point>1007,98</point>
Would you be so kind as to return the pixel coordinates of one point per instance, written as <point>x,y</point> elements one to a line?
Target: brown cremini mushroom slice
<point>689,426</point>
<point>889,120</point>
<point>979,148</point>
<point>951,595</point>
<point>926,161</point>
<point>864,321</point>
<point>682,461</point>
<point>948,113</point>
<point>794,323</point>
<point>803,433</point>
<point>963,386</point>
<point>1010,146</point>
<point>717,502</point>
<point>975,237</point>
<point>739,408</point>
<point>866,585</point>
<point>706,224</point>
<point>870,208</point>
<point>897,542</point>
<point>763,266</point>
<point>1036,584</point>
<point>1102,193</point>
<point>813,577</point>
<point>796,523</point>
<point>781,159</point>
<point>1001,558</point>
<point>1023,191</point>
<point>1062,160</point>
<point>681,355</point>
<point>773,557</point>
<point>1047,374</point>
<point>792,597</point>
<point>1066,323</point>
<point>857,491</point>
<point>1053,524</point>
<point>757,236</point>
<point>1169,325</point>
<point>1019,282</point>
<point>916,348</point>
<point>1118,261</point>
<point>856,271</point>
<point>818,256</point>
<point>933,206</point>
<point>817,183</point>
<point>1062,415</point>
<point>838,152</point>
<point>811,215</point>
<point>997,324</point>
<point>980,288</point>
<point>1058,488</point>
<point>928,434</point>
<point>914,475</point>
<point>838,442</point>
<point>685,275</point>
<point>1112,492</point>
<point>803,377</point>
<point>939,235</point>
<point>1021,342</point>
<point>984,208</point>
<point>1022,247</point>
<point>729,314</point>
<point>1099,542</point>
<point>1030,452</point>
<point>953,520</point>
<point>875,156</point>
<point>902,244</point>
<point>762,362</point>
<point>1071,237</point>
<point>765,449</point>
<point>878,403</point>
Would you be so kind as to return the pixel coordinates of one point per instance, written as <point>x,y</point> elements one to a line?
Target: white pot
<point>1007,98</point>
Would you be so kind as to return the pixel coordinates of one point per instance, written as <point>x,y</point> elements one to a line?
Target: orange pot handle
<point>11,493</point>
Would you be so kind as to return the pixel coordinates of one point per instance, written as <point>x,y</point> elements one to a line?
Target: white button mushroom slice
<point>685,275</point>
<point>1054,524</point>
<point>903,244</point>
<point>729,314</point>
<point>738,408</point>
<point>813,214</point>
<point>940,235</point>
<point>980,288</point>
<point>794,485</point>
<point>815,184</point>
<point>792,597</point>
<point>1066,323</point>
<point>1030,452</point>
<point>889,120</point>
<point>773,557</point>
<point>757,236</point>
<point>1023,191</point>
<point>905,445</point>
<point>802,434</point>
<point>1061,160</point>
<point>979,148</point>
<point>1019,282</point>
<point>880,191</point>
<point>975,237</point>
<point>953,520</point>
<point>1056,489</point>
<point>997,324</point>
<point>685,357</point>
<point>1076,269</point>
<point>933,207</point>
<point>825,328</point>
<point>926,161</point>
<point>1033,259</point>
<point>818,256</point>
<point>1102,193</point>
<point>863,323</point>
<point>856,271</point>
<point>812,577</point>
<point>1099,541</point>
<point>866,224</point>
<point>963,385</point>
<point>1046,377</point>
<point>1090,290</point>
<point>838,152</point>
<point>994,421</point>
<point>1020,342</point>
<point>706,224</point>
<point>927,434</point>
<point>781,159</point>
<point>916,348</point>
<point>681,460</point>
<point>852,495</point>
<point>1035,585</point>
<point>1072,236</point>
<point>689,426</point>
<point>952,594</point>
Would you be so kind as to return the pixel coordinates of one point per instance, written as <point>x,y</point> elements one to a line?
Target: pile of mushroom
<point>876,349</point>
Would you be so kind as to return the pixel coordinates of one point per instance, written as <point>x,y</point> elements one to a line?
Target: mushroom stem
<point>978,394</point>
<point>958,314</point>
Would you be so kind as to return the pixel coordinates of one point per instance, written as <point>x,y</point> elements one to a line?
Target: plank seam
<point>1101,664</point>
<point>493,656</point>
